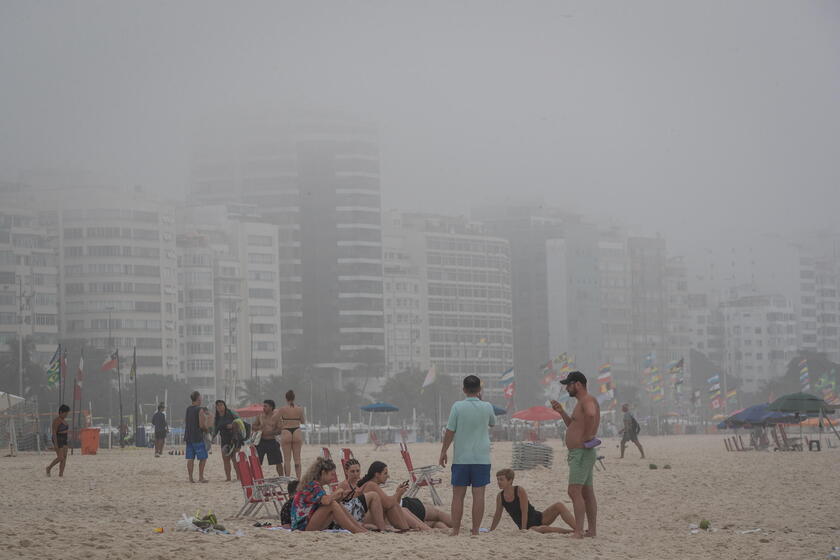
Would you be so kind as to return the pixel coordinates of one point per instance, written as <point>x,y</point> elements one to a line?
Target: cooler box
<point>90,440</point>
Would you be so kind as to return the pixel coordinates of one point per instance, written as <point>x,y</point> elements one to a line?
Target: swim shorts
<point>581,464</point>
<point>470,475</point>
<point>196,450</point>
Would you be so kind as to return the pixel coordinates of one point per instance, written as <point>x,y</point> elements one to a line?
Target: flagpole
<point>134,374</point>
<point>73,429</point>
<point>60,380</point>
<point>119,396</point>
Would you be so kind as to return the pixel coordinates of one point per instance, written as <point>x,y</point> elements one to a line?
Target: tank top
<point>515,509</point>
<point>192,426</point>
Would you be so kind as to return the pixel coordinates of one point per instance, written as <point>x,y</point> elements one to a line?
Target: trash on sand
<point>749,531</point>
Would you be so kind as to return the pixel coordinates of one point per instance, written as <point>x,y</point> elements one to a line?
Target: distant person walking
<point>630,431</point>
<point>59,439</point>
<point>581,428</point>
<point>223,425</point>
<point>161,428</point>
<point>195,424</point>
<point>469,427</point>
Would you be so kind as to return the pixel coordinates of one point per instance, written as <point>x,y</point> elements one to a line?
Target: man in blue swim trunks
<point>195,424</point>
<point>469,427</point>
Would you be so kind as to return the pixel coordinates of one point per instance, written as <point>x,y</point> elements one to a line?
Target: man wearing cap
<point>581,428</point>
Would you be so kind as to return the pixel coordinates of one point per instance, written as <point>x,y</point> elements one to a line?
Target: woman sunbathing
<point>313,509</point>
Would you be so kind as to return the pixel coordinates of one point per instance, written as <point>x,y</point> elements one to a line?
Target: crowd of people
<point>359,504</point>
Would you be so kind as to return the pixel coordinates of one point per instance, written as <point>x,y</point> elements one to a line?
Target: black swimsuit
<point>515,510</point>
<point>61,434</point>
<point>290,430</point>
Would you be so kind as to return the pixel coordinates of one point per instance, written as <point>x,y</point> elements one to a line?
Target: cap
<point>574,376</point>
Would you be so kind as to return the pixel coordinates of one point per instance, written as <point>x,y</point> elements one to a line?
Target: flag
<point>63,366</point>
<point>507,376</point>
<point>110,362</point>
<point>510,391</point>
<point>714,387</point>
<point>715,403</point>
<point>714,379</point>
<point>431,376</point>
<point>676,366</point>
<point>133,372</point>
<point>804,378</point>
<point>54,368</point>
<point>80,374</point>
<point>605,377</point>
<point>732,394</point>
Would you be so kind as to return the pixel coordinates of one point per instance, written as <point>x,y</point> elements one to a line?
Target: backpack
<point>634,425</point>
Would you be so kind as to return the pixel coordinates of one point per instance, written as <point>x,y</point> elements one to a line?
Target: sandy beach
<point>108,505</point>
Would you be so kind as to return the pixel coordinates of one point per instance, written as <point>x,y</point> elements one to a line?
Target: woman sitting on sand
<point>397,515</point>
<point>313,509</point>
<point>363,507</point>
<point>514,499</point>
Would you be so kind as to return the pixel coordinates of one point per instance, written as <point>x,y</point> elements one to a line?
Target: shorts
<point>415,506</point>
<point>629,437</point>
<point>196,450</point>
<point>581,464</point>
<point>470,475</point>
<point>160,435</point>
<point>270,448</point>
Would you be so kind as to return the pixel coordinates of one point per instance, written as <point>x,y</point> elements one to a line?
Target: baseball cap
<point>574,376</point>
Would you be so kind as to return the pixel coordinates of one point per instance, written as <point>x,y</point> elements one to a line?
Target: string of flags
<point>804,376</point>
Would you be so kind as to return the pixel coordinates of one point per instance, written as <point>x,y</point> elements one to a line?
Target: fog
<point>689,119</point>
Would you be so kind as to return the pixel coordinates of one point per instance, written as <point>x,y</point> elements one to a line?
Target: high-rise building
<point>28,283</point>
<point>467,274</point>
<point>118,273</point>
<point>318,183</point>
<point>230,294</point>
<point>405,304</point>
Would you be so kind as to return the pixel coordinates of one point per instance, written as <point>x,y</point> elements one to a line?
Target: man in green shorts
<point>581,428</point>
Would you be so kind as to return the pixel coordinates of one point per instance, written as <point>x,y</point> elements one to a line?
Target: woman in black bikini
<point>514,500</point>
<point>291,437</point>
<point>59,438</point>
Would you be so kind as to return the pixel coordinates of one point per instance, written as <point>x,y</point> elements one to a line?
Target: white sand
<point>107,506</point>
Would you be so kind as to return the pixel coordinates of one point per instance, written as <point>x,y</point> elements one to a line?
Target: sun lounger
<point>420,477</point>
<point>375,441</point>
<point>793,443</point>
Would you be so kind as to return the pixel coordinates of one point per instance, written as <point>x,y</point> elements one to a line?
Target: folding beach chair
<point>421,477</point>
<point>346,455</point>
<point>257,472</point>
<point>375,441</point>
<point>726,444</point>
<point>792,443</point>
<point>743,447</point>
<point>257,495</point>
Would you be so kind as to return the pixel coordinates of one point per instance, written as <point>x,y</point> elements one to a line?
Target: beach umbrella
<point>8,400</point>
<point>803,404</point>
<point>499,411</point>
<point>757,415</point>
<point>379,407</point>
<point>537,414</point>
<point>250,411</point>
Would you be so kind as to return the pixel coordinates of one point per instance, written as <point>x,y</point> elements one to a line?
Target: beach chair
<point>743,447</point>
<point>600,459</point>
<point>258,496</point>
<point>346,455</point>
<point>375,441</point>
<point>726,444</point>
<point>259,477</point>
<point>793,443</point>
<point>420,477</point>
<point>325,453</point>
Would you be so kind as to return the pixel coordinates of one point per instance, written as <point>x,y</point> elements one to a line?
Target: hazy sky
<point>678,117</point>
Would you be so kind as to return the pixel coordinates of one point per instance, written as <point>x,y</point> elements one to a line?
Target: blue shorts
<point>196,450</point>
<point>470,475</point>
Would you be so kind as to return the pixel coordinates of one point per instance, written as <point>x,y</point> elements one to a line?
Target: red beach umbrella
<point>537,414</point>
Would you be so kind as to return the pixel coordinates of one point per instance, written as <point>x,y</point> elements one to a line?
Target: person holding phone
<point>398,516</point>
<point>364,507</point>
<point>581,428</point>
